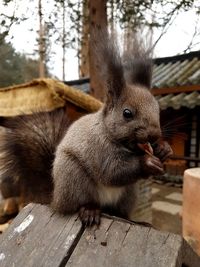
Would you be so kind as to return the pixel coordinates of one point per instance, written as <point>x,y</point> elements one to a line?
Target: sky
<point>172,43</point>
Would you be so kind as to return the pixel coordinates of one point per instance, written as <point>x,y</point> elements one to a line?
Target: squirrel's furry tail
<point>27,150</point>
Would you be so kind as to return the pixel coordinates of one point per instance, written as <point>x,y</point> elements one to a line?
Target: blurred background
<point>51,37</point>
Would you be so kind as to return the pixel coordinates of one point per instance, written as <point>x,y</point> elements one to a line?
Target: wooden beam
<point>185,158</point>
<point>39,237</point>
<point>175,90</point>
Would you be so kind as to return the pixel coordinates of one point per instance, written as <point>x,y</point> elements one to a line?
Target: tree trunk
<point>128,30</point>
<point>127,38</point>
<point>112,11</point>
<point>84,49</point>
<point>41,42</point>
<point>63,41</point>
<point>98,19</point>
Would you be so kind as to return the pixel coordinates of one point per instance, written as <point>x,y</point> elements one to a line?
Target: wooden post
<point>191,207</point>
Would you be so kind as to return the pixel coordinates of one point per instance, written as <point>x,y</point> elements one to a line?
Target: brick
<point>175,196</point>
<point>167,207</point>
<point>155,190</point>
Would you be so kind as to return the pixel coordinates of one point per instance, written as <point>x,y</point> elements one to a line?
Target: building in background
<point>176,85</point>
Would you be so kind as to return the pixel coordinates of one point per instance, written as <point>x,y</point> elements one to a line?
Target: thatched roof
<point>43,95</point>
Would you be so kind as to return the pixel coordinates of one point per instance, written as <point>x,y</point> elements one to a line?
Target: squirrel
<point>91,166</point>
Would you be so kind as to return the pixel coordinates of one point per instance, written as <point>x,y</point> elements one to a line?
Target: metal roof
<point>177,71</point>
<point>81,84</point>
<point>176,101</point>
<point>168,72</point>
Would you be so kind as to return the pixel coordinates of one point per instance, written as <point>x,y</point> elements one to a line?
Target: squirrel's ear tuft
<point>108,64</point>
<point>139,71</point>
<point>138,60</point>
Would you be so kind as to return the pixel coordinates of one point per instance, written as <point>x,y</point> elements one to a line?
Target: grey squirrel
<point>92,165</point>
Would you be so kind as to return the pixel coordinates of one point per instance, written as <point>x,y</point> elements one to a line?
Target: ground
<point>167,207</point>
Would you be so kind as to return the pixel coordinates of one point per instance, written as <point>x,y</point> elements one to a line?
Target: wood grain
<point>38,237</point>
<point>46,241</point>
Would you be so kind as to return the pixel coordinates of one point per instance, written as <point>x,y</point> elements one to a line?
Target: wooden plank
<point>102,244</point>
<point>39,237</point>
<point>185,158</point>
<point>123,244</point>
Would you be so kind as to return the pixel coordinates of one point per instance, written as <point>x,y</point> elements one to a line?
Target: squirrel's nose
<point>141,133</point>
<point>154,135</point>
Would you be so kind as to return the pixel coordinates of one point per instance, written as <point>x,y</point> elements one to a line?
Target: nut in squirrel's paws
<point>153,164</point>
<point>146,147</point>
<point>89,215</point>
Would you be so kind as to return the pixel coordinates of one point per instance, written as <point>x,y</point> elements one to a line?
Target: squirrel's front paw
<point>162,150</point>
<point>153,165</point>
<point>89,215</point>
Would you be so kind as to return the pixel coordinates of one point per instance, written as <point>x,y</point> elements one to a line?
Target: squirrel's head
<point>131,113</point>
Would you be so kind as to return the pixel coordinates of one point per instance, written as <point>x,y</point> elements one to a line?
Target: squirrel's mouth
<point>146,147</point>
<point>139,147</point>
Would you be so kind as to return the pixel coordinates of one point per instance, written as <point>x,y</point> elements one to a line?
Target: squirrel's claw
<point>89,215</point>
<point>163,151</point>
<point>153,165</point>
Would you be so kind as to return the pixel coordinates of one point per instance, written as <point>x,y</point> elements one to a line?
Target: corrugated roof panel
<point>190,99</point>
<point>186,71</point>
<point>162,82</point>
<point>157,69</point>
<point>177,72</point>
<point>164,101</point>
<point>180,100</point>
<point>192,70</point>
<point>195,77</point>
<point>180,71</point>
<point>176,101</point>
<point>169,72</point>
<point>159,76</point>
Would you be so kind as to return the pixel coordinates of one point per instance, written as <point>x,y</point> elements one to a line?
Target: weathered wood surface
<point>38,237</point>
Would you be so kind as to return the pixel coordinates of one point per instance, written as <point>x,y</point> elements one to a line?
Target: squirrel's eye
<point>128,114</point>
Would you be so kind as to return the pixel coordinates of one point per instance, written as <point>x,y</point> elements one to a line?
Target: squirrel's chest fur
<point>89,144</point>
<point>109,195</point>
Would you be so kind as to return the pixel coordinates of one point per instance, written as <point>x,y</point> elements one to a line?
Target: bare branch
<point>195,34</point>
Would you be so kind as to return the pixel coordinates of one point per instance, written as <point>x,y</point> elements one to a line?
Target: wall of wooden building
<point>181,128</point>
